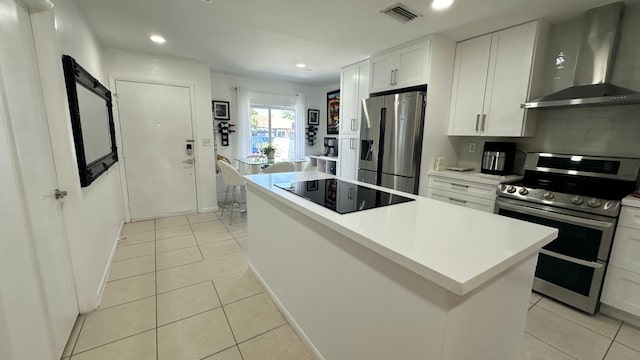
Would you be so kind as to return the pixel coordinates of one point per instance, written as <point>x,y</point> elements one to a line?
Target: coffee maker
<point>498,158</point>
<point>331,146</point>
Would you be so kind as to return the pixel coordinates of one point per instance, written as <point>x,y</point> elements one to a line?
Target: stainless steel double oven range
<point>581,197</point>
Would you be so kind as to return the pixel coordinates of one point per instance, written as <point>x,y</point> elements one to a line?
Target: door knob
<point>59,194</point>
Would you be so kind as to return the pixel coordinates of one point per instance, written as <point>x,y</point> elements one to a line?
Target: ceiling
<point>266,38</point>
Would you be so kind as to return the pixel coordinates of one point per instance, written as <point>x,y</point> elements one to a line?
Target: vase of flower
<point>268,151</point>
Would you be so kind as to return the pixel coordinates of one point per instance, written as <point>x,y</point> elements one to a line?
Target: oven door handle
<point>590,264</point>
<point>596,224</point>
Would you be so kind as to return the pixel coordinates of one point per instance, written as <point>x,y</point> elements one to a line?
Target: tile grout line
<point>73,348</point>
<point>582,326</point>
<point>569,355</point>
<point>114,341</point>
<point>265,332</point>
<point>227,318</point>
<point>613,340</point>
<point>221,351</point>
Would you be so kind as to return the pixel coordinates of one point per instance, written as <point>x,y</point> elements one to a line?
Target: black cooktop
<point>342,196</point>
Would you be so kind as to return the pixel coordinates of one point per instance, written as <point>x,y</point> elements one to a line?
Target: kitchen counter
<point>631,201</point>
<point>477,177</point>
<point>429,279</point>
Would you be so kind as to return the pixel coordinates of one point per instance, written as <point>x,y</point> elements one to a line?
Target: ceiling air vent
<point>401,13</point>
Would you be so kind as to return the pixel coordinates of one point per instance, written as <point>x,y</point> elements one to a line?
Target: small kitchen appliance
<point>581,197</point>
<point>331,146</point>
<point>498,158</point>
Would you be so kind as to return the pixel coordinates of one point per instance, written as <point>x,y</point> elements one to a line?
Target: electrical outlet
<point>472,147</point>
<point>206,142</point>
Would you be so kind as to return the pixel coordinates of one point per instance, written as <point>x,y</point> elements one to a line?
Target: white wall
<point>223,88</point>
<point>126,65</point>
<point>93,215</point>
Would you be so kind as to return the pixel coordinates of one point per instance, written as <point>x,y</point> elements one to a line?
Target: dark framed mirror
<point>91,120</point>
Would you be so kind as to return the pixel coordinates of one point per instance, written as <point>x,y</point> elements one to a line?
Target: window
<point>275,125</point>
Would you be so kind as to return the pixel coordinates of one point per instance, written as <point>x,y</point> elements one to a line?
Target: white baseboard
<point>294,325</point>
<point>107,269</point>
<point>209,209</point>
<point>620,314</point>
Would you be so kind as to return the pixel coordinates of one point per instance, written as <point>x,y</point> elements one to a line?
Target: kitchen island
<point>417,280</point>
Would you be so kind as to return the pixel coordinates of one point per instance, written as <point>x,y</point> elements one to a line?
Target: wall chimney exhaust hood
<point>594,65</point>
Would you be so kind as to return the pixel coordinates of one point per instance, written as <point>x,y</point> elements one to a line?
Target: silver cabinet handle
<point>350,193</point>
<point>352,144</point>
<point>465,187</point>
<point>59,194</point>
<point>484,118</point>
<point>353,125</point>
<point>391,79</point>
<point>395,77</point>
<point>477,122</point>
<point>463,202</point>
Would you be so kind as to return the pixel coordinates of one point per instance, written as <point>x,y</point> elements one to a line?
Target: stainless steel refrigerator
<point>391,140</point>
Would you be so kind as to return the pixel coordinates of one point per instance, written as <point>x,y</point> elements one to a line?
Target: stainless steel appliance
<point>498,158</point>
<point>331,146</point>
<point>581,197</point>
<point>594,65</point>
<point>391,140</point>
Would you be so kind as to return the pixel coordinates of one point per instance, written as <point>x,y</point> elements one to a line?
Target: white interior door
<point>155,122</point>
<point>21,94</point>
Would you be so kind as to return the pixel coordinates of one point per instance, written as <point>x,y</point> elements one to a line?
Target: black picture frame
<point>313,117</point>
<point>333,112</point>
<point>74,76</point>
<point>220,110</point>
<point>312,185</point>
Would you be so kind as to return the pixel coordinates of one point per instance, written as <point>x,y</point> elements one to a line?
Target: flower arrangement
<point>267,150</point>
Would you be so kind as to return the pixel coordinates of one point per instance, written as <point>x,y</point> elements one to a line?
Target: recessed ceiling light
<point>301,66</point>
<point>441,4</point>
<point>157,39</point>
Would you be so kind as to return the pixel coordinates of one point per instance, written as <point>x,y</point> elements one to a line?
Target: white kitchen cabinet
<point>354,86</point>
<point>621,290</point>
<point>492,78</point>
<point>325,164</point>
<point>472,190</point>
<point>401,67</point>
<point>348,165</point>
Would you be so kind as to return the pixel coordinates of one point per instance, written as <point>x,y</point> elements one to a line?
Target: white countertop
<point>323,157</point>
<point>453,246</point>
<point>631,201</point>
<point>477,177</point>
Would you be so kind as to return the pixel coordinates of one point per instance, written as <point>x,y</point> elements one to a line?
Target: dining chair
<point>284,166</point>
<point>307,164</point>
<point>225,159</point>
<point>235,181</point>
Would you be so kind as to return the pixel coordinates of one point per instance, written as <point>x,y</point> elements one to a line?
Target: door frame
<point>118,126</point>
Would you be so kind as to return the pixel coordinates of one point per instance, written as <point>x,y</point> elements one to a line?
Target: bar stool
<point>232,178</point>
<point>284,166</point>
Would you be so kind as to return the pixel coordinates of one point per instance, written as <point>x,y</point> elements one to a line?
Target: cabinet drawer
<point>630,217</point>
<point>626,249</point>
<point>622,290</point>
<point>462,200</point>
<point>463,187</point>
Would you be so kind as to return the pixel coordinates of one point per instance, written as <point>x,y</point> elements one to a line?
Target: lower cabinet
<point>621,289</point>
<point>464,189</point>
<point>348,154</point>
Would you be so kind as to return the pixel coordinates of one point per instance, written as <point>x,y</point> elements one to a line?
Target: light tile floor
<point>179,288</point>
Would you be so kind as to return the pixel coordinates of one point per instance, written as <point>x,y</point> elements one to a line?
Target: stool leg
<point>233,195</point>
<point>226,195</point>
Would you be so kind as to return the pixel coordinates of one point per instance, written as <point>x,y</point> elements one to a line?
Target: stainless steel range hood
<point>596,57</point>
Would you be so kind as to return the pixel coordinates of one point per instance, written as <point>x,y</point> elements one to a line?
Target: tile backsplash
<point>600,131</point>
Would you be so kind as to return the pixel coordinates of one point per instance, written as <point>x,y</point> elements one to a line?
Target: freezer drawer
<point>401,183</point>
<point>366,176</point>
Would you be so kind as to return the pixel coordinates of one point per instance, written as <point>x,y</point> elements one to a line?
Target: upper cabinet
<point>492,78</point>
<point>354,86</point>
<point>401,67</point>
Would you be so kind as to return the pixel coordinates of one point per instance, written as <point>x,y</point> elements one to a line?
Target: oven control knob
<point>523,191</point>
<point>511,189</point>
<point>594,203</point>
<point>548,195</point>
<point>577,200</point>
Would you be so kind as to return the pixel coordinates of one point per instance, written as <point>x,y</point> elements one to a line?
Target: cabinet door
<point>469,81</point>
<point>508,80</point>
<point>348,163</point>
<point>413,65</point>
<point>348,99</point>
<point>363,91</point>
<point>381,67</point>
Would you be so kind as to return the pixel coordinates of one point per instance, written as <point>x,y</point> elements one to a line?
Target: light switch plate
<point>472,147</point>
<point>206,142</point>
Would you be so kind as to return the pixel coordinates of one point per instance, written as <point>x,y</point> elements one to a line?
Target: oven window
<point>565,274</point>
<point>573,240</point>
